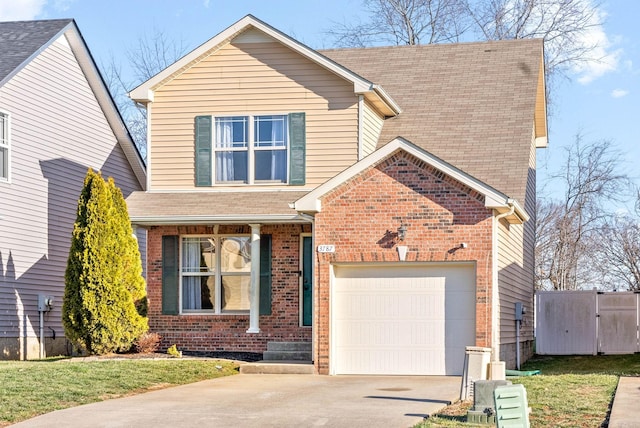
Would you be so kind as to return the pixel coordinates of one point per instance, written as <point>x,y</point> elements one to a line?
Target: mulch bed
<point>236,356</point>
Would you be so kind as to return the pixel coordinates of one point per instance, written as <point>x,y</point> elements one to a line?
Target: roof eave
<point>541,124</point>
<point>189,220</point>
<point>106,102</point>
<point>519,214</point>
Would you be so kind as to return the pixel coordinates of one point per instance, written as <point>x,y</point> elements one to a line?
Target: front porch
<point>219,318</point>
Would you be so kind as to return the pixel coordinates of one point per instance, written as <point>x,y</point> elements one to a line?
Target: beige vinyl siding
<point>371,128</point>
<point>253,78</point>
<point>58,131</point>
<point>516,264</point>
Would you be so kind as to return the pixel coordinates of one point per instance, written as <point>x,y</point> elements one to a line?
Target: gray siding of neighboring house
<point>57,131</point>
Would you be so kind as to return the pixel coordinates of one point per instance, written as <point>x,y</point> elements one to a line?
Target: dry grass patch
<point>572,391</point>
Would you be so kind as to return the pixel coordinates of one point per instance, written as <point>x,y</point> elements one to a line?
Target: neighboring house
<point>57,119</point>
<point>285,185</point>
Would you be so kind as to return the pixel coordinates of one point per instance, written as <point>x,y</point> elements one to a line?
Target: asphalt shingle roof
<point>470,104</point>
<point>210,204</point>
<point>21,39</point>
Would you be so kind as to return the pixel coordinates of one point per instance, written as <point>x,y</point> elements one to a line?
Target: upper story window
<point>250,149</point>
<point>4,147</point>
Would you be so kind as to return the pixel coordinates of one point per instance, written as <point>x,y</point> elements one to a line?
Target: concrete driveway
<point>270,401</point>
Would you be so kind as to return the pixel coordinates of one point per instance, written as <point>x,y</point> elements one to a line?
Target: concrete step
<point>278,367</point>
<point>286,355</point>
<point>289,346</point>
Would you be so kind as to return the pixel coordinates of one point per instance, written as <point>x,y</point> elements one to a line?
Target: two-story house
<point>57,119</point>
<point>378,203</point>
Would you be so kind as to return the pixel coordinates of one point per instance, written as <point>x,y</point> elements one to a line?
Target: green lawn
<point>31,388</point>
<point>571,391</point>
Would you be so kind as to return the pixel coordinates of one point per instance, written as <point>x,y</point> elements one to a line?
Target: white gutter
<point>512,209</point>
<point>360,127</point>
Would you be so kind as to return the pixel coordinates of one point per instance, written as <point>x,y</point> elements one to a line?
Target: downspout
<point>360,126</point>
<point>495,301</point>
<point>148,147</point>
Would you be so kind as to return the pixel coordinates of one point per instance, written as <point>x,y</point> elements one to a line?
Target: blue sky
<point>601,101</point>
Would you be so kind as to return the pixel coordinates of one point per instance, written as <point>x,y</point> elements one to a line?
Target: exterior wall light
<point>402,232</point>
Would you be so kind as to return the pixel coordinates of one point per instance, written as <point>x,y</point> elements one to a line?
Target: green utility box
<point>511,406</point>
<point>483,411</point>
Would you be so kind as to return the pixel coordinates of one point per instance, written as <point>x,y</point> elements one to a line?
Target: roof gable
<point>22,41</point>
<point>311,203</point>
<point>251,29</point>
<point>475,105</point>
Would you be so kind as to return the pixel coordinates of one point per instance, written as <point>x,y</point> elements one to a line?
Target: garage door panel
<point>392,362</point>
<point>397,320</point>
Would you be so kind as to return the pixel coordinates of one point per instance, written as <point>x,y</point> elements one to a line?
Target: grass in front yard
<point>31,388</point>
<point>571,391</point>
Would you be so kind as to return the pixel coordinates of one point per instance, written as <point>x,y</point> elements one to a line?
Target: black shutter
<point>203,159</point>
<point>297,152</point>
<point>265,274</point>
<point>170,275</point>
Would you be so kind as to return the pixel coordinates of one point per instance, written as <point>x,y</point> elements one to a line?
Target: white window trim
<point>7,146</point>
<point>217,310</point>
<point>250,151</point>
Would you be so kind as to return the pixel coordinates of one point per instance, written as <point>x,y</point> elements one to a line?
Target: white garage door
<point>402,320</point>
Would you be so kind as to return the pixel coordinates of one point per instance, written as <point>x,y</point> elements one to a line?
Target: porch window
<point>215,273</point>
<point>4,147</point>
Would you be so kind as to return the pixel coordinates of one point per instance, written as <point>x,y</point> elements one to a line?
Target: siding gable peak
<point>251,30</point>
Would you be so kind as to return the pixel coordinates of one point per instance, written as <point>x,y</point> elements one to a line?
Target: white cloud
<point>20,10</point>
<point>206,3</point>
<point>619,93</point>
<point>62,5</point>
<point>604,58</point>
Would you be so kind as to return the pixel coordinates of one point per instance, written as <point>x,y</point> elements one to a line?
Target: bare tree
<point>403,22</point>
<point>567,228</point>
<point>152,54</point>
<point>548,215</point>
<point>619,251</point>
<point>565,26</point>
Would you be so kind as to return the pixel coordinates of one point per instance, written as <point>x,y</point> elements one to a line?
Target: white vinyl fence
<point>587,322</point>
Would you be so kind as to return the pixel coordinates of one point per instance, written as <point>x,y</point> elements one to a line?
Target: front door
<point>307,280</point>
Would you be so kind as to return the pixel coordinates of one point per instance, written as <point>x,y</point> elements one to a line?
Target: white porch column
<point>254,294</point>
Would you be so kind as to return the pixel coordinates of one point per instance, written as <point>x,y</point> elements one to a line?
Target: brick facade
<point>361,216</point>
<point>212,333</point>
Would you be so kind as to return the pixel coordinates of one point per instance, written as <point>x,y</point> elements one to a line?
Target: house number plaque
<point>326,248</point>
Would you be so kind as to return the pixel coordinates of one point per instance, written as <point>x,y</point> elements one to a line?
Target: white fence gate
<point>587,322</point>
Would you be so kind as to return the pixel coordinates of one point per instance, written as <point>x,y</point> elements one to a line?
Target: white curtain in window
<point>224,160</point>
<point>275,127</point>
<point>191,293</point>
